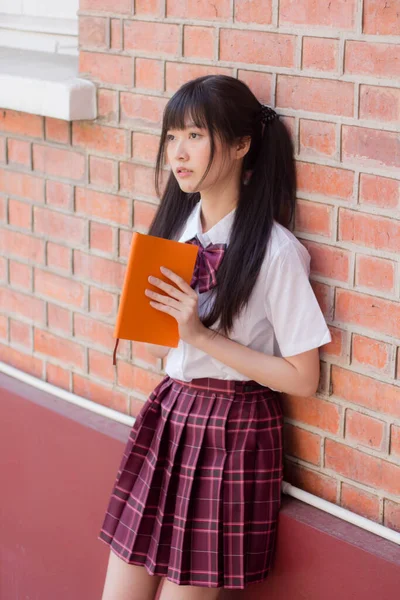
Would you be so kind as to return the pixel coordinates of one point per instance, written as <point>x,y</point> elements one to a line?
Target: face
<point>188,153</point>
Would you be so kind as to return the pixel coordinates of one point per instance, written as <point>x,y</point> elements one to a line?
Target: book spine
<point>124,294</point>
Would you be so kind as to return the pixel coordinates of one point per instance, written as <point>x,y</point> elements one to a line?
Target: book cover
<point>137,320</point>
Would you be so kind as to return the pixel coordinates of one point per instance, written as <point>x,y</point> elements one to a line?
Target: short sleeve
<point>292,308</point>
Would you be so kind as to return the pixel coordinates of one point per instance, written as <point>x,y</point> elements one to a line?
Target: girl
<point>198,491</point>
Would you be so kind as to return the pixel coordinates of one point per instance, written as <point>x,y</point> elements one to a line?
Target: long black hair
<point>225,106</point>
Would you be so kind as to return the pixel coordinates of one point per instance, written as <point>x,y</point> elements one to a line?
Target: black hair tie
<point>267,114</point>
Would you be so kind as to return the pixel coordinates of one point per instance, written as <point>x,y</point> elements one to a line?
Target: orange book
<point>137,320</point>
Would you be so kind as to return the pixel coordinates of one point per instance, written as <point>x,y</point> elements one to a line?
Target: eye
<point>194,134</point>
<point>169,137</point>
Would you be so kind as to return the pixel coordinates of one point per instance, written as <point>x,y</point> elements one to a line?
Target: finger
<point>166,300</point>
<point>166,309</point>
<point>171,290</point>
<point>181,283</point>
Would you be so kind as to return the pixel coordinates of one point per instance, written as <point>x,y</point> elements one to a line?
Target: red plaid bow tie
<point>207,263</point>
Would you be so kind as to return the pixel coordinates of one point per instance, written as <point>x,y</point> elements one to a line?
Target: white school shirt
<point>282,317</point>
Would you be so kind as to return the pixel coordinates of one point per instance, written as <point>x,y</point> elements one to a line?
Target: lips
<point>183,170</point>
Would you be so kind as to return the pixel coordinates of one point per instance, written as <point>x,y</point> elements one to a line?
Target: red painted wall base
<point>58,464</point>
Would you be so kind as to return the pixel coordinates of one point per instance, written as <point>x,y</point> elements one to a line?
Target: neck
<point>217,203</point>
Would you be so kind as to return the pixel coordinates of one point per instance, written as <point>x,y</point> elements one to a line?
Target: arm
<point>298,375</point>
<point>158,351</point>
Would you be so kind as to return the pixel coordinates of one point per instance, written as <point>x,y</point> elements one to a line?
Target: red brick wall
<point>71,194</point>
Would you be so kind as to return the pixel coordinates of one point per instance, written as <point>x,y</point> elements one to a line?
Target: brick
<point>24,124</point>
<point>198,42</point>
<point>311,481</point>
<point>3,269</point>
<point>340,14</point>
<point>392,515</point>
<point>59,257</point>
<point>364,430</point>
<point>20,214</point>
<point>62,289</point>
<point>93,32</point>
<point>143,215</point>
<point>257,47</point>
<point>193,9</point>
<point>107,68</point>
<point>149,7</point>
<point>123,7</point>
<point>101,366</point>
<point>145,146</point>
<point>361,467</point>
<point>59,319</point>
<point>125,239</point>
<point>320,54</point>
<point>103,172</point>
<point>2,149</point>
<point>379,103</point>
<point>259,83</point>
<point>381,18</point>
<point>302,444</point>
<point>18,244</point>
<point>371,231</point>
<point>370,353</point>
<point>395,440</point>
<point>99,393</point>
<point>375,273</point>
<point>152,38</point>
<point>360,502</point>
<point>149,74</point>
<point>99,270</point>
<point>315,95</point>
<point>101,237</point>
<point>379,191</point>
<point>57,130</point>
<point>20,275</point>
<point>61,227</point>
<point>133,377</point>
<point>19,360</point>
<point>20,334</point>
<point>3,328</point>
<point>59,194</point>
<point>22,305</point>
<point>329,261</point>
<point>313,411</point>
<point>68,352</point>
<point>22,184</point>
<point>19,152</point>
<point>59,163</point>
<point>178,74</point>
<point>137,178</point>
<point>102,303</point>
<point>317,138</point>
<point>103,206</point>
<point>327,181</point>
<point>337,346</point>
<point>3,209</point>
<point>116,34</point>
<point>141,356</point>
<point>58,376</point>
<point>101,334</point>
<point>253,11</point>
<point>314,217</point>
<point>366,58</point>
<point>107,105</point>
<point>381,397</point>
<point>139,110</point>
<point>371,312</point>
<point>99,138</point>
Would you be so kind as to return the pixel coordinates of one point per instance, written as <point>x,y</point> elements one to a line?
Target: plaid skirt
<point>198,491</point>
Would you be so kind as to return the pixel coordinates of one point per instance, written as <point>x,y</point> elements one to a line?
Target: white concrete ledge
<point>45,84</point>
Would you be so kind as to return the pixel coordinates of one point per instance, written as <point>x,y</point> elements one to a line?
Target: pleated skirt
<point>198,491</point>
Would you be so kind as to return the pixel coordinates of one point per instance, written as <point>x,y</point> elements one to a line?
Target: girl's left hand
<point>182,304</point>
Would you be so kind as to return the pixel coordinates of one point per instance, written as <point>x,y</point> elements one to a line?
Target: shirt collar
<point>218,234</point>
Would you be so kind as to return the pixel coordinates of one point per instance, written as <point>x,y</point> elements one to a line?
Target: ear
<point>243,146</point>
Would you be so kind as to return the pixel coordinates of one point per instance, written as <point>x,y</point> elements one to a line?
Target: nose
<point>181,151</point>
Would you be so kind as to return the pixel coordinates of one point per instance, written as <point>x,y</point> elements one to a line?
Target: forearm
<point>271,371</point>
<point>158,351</point>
